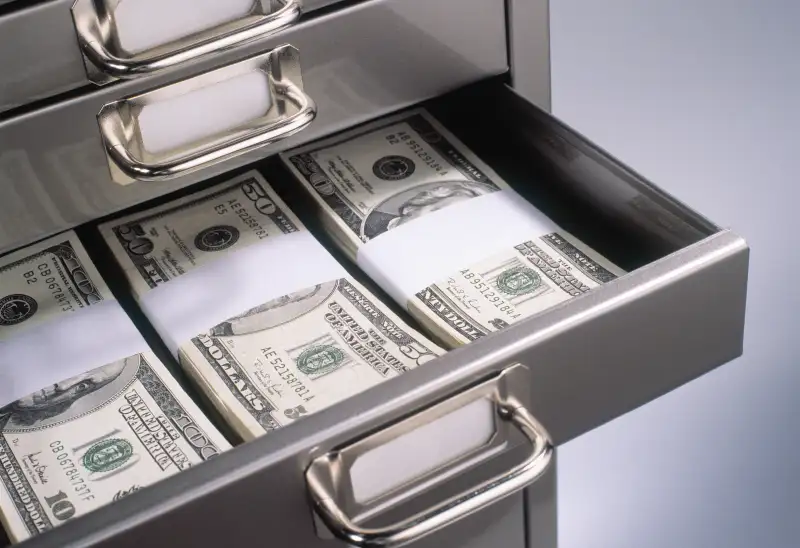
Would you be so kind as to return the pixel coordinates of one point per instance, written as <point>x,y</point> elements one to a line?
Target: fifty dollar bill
<point>282,359</point>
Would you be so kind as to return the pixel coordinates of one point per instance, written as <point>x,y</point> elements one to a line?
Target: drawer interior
<point>603,203</point>
<point>580,187</point>
<point>574,182</point>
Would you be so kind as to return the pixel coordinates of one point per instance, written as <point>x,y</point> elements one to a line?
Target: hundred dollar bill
<point>301,353</point>
<point>52,277</point>
<point>282,359</point>
<point>96,438</point>
<point>163,243</point>
<point>515,284</point>
<point>388,173</point>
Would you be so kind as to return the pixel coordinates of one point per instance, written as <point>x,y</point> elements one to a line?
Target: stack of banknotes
<point>260,315</point>
<point>267,324</point>
<point>439,231</point>
<point>88,414</point>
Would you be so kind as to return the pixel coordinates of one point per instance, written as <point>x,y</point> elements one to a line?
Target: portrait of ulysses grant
<point>419,201</point>
<point>68,399</point>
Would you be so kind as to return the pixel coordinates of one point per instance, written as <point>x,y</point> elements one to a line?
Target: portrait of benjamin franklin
<point>67,399</point>
<point>416,202</point>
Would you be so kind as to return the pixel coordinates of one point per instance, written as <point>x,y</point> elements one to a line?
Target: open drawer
<point>677,314</point>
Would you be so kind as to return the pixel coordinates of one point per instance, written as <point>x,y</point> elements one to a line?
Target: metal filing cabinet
<point>70,154</point>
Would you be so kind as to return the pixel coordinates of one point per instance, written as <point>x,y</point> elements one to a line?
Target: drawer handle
<point>291,111</point>
<point>108,61</point>
<point>327,472</point>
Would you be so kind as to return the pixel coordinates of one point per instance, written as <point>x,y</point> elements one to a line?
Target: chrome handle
<point>437,517</point>
<point>107,60</point>
<point>292,110</point>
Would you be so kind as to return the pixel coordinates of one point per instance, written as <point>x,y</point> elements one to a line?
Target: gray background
<point>703,98</point>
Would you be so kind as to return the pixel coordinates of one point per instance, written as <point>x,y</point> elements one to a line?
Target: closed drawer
<point>141,38</point>
<point>357,63</point>
<point>677,314</point>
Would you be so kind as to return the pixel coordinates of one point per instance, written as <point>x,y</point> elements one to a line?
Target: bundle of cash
<point>50,278</point>
<point>120,424</point>
<point>389,183</point>
<point>257,312</point>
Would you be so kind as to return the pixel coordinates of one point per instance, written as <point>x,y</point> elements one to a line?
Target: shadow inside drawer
<point>575,183</point>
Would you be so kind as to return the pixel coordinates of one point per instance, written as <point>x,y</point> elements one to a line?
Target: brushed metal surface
<point>53,170</point>
<point>529,50</point>
<point>541,509</point>
<point>106,60</point>
<point>591,359</point>
<point>291,111</point>
<point>50,63</point>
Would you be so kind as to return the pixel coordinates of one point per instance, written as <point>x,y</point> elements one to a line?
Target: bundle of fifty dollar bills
<point>264,320</point>
<point>439,231</point>
<point>88,414</point>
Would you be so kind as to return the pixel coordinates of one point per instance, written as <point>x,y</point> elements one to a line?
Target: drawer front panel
<point>38,63</point>
<point>541,509</point>
<point>53,168</point>
<point>39,52</point>
<point>677,314</point>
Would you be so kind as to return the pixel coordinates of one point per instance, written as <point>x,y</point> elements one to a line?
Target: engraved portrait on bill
<point>395,170</point>
<point>413,203</point>
<point>300,353</point>
<point>69,399</point>
<point>75,446</point>
<point>386,173</point>
<point>276,312</point>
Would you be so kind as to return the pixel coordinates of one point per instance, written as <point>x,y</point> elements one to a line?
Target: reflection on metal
<point>331,490</point>
<point>291,110</point>
<point>106,60</point>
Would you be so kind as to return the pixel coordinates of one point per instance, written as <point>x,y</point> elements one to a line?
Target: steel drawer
<point>53,167</point>
<point>678,314</point>
<point>53,62</point>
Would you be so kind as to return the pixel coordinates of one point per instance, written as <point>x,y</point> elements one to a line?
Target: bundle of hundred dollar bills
<point>259,314</point>
<point>439,231</point>
<point>88,414</point>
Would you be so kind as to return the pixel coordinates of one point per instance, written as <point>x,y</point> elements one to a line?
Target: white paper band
<point>243,279</point>
<point>69,345</point>
<point>414,255</point>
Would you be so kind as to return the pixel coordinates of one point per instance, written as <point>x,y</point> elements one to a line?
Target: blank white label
<point>205,112</point>
<point>65,346</point>
<point>182,308</point>
<point>423,449</point>
<point>407,259</point>
<point>145,24</point>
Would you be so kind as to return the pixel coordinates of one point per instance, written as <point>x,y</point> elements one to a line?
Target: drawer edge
<point>682,316</point>
<point>702,286</point>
